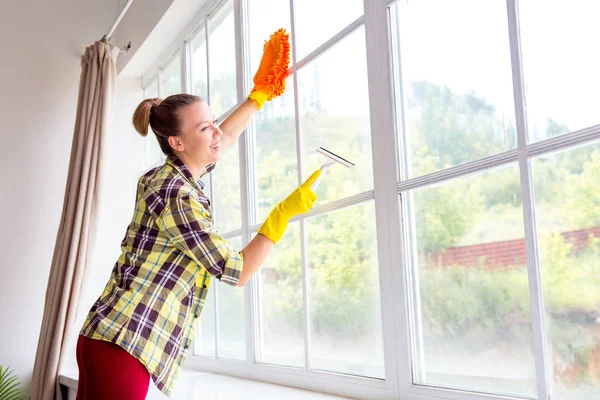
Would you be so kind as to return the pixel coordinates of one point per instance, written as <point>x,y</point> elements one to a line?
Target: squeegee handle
<point>315,184</point>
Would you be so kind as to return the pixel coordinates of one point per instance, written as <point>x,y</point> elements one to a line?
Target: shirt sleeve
<point>188,226</point>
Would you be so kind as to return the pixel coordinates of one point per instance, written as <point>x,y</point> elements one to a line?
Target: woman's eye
<point>204,128</point>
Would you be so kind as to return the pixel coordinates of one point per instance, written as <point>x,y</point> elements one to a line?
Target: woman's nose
<point>217,131</point>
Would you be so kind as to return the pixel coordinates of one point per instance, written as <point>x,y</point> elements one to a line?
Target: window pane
<point>199,65</point>
<point>204,340</point>
<point>221,47</point>
<point>345,309</point>
<point>334,113</point>
<point>276,164</point>
<point>452,61</point>
<point>472,325</point>
<point>232,327</point>
<point>226,203</point>
<point>561,60</point>
<point>330,16</point>
<point>170,77</point>
<point>568,227</point>
<point>154,155</point>
<point>281,339</point>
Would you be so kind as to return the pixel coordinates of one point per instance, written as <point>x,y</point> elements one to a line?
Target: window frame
<point>393,221</point>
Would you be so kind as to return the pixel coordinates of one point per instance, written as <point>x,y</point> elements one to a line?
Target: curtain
<point>75,235</point>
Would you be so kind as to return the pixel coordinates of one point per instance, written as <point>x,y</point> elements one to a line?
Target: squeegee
<point>333,158</point>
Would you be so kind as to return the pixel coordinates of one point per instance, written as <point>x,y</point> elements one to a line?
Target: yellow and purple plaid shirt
<point>157,288</point>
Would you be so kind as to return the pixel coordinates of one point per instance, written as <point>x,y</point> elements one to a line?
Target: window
<point>568,233</point>
<point>221,59</point>
<point>223,95</point>
<point>459,258</point>
<point>230,316</point>
<point>170,77</point>
<point>471,306</point>
<point>560,63</point>
<point>480,240</point>
<point>213,76</point>
<point>319,305</point>
<point>307,18</point>
<point>199,69</point>
<point>457,95</point>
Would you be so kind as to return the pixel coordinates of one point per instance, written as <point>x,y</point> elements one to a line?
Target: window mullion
<point>245,144</point>
<point>186,84</point>
<point>540,344</point>
<point>387,214</point>
<point>303,237</point>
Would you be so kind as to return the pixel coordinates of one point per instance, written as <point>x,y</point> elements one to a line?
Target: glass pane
<point>221,47</point>
<point>232,326</point>
<point>452,61</point>
<point>345,309</point>
<point>199,65</point>
<point>226,203</point>
<point>330,16</point>
<point>561,60</point>
<point>281,339</point>
<point>472,327</point>
<point>170,77</point>
<point>276,164</point>
<point>334,113</point>
<point>204,340</point>
<point>568,227</point>
<point>154,155</point>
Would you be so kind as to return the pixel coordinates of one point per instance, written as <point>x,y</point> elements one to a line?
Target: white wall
<point>39,77</point>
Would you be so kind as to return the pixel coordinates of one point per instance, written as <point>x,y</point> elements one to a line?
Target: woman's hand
<point>269,80</point>
<point>298,202</point>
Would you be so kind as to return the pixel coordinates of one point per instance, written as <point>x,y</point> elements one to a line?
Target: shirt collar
<point>185,171</point>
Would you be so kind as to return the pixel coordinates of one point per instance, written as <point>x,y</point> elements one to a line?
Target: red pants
<point>106,371</point>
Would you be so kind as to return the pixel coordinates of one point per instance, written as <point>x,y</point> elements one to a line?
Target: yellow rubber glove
<point>269,80</point>
<point>298,202</point>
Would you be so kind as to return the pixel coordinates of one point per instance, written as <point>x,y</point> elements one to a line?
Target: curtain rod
<point>114,25</point>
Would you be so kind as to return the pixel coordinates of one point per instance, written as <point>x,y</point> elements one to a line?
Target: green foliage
<point>344,289</point>
<point>570,279</point>
<point>10,386</point>
<point>343,272</point>
<point>584,201</point>
<point>455,300</point>
<point>444,214</point>
<point>453,128</point>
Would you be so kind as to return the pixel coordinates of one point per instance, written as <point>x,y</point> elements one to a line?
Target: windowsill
<point>194,384</point>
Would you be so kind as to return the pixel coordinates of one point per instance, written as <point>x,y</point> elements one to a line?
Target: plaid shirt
<point>157,288</point>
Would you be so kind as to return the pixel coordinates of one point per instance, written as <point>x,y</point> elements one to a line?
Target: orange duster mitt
<point>269,80</point>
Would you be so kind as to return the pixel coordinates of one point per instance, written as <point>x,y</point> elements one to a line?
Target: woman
<point>143,323</point>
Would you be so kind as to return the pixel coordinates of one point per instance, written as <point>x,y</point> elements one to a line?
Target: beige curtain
<point>76,230</point>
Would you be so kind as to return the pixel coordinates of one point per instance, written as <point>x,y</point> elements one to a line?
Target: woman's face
<point>200,136</point>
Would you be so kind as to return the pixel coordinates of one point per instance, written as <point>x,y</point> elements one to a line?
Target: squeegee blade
<point>335,157</point>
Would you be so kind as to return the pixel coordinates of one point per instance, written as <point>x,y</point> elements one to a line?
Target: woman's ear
<point>176,143</point>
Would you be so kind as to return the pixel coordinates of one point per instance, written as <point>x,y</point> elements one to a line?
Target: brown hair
<point>163,117</point>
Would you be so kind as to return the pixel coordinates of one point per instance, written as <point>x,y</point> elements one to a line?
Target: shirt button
<point>203,286</point>
<point>195,315</point>
<point>186,347</point>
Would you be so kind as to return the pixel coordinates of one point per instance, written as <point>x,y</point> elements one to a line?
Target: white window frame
<point>386,119</point>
